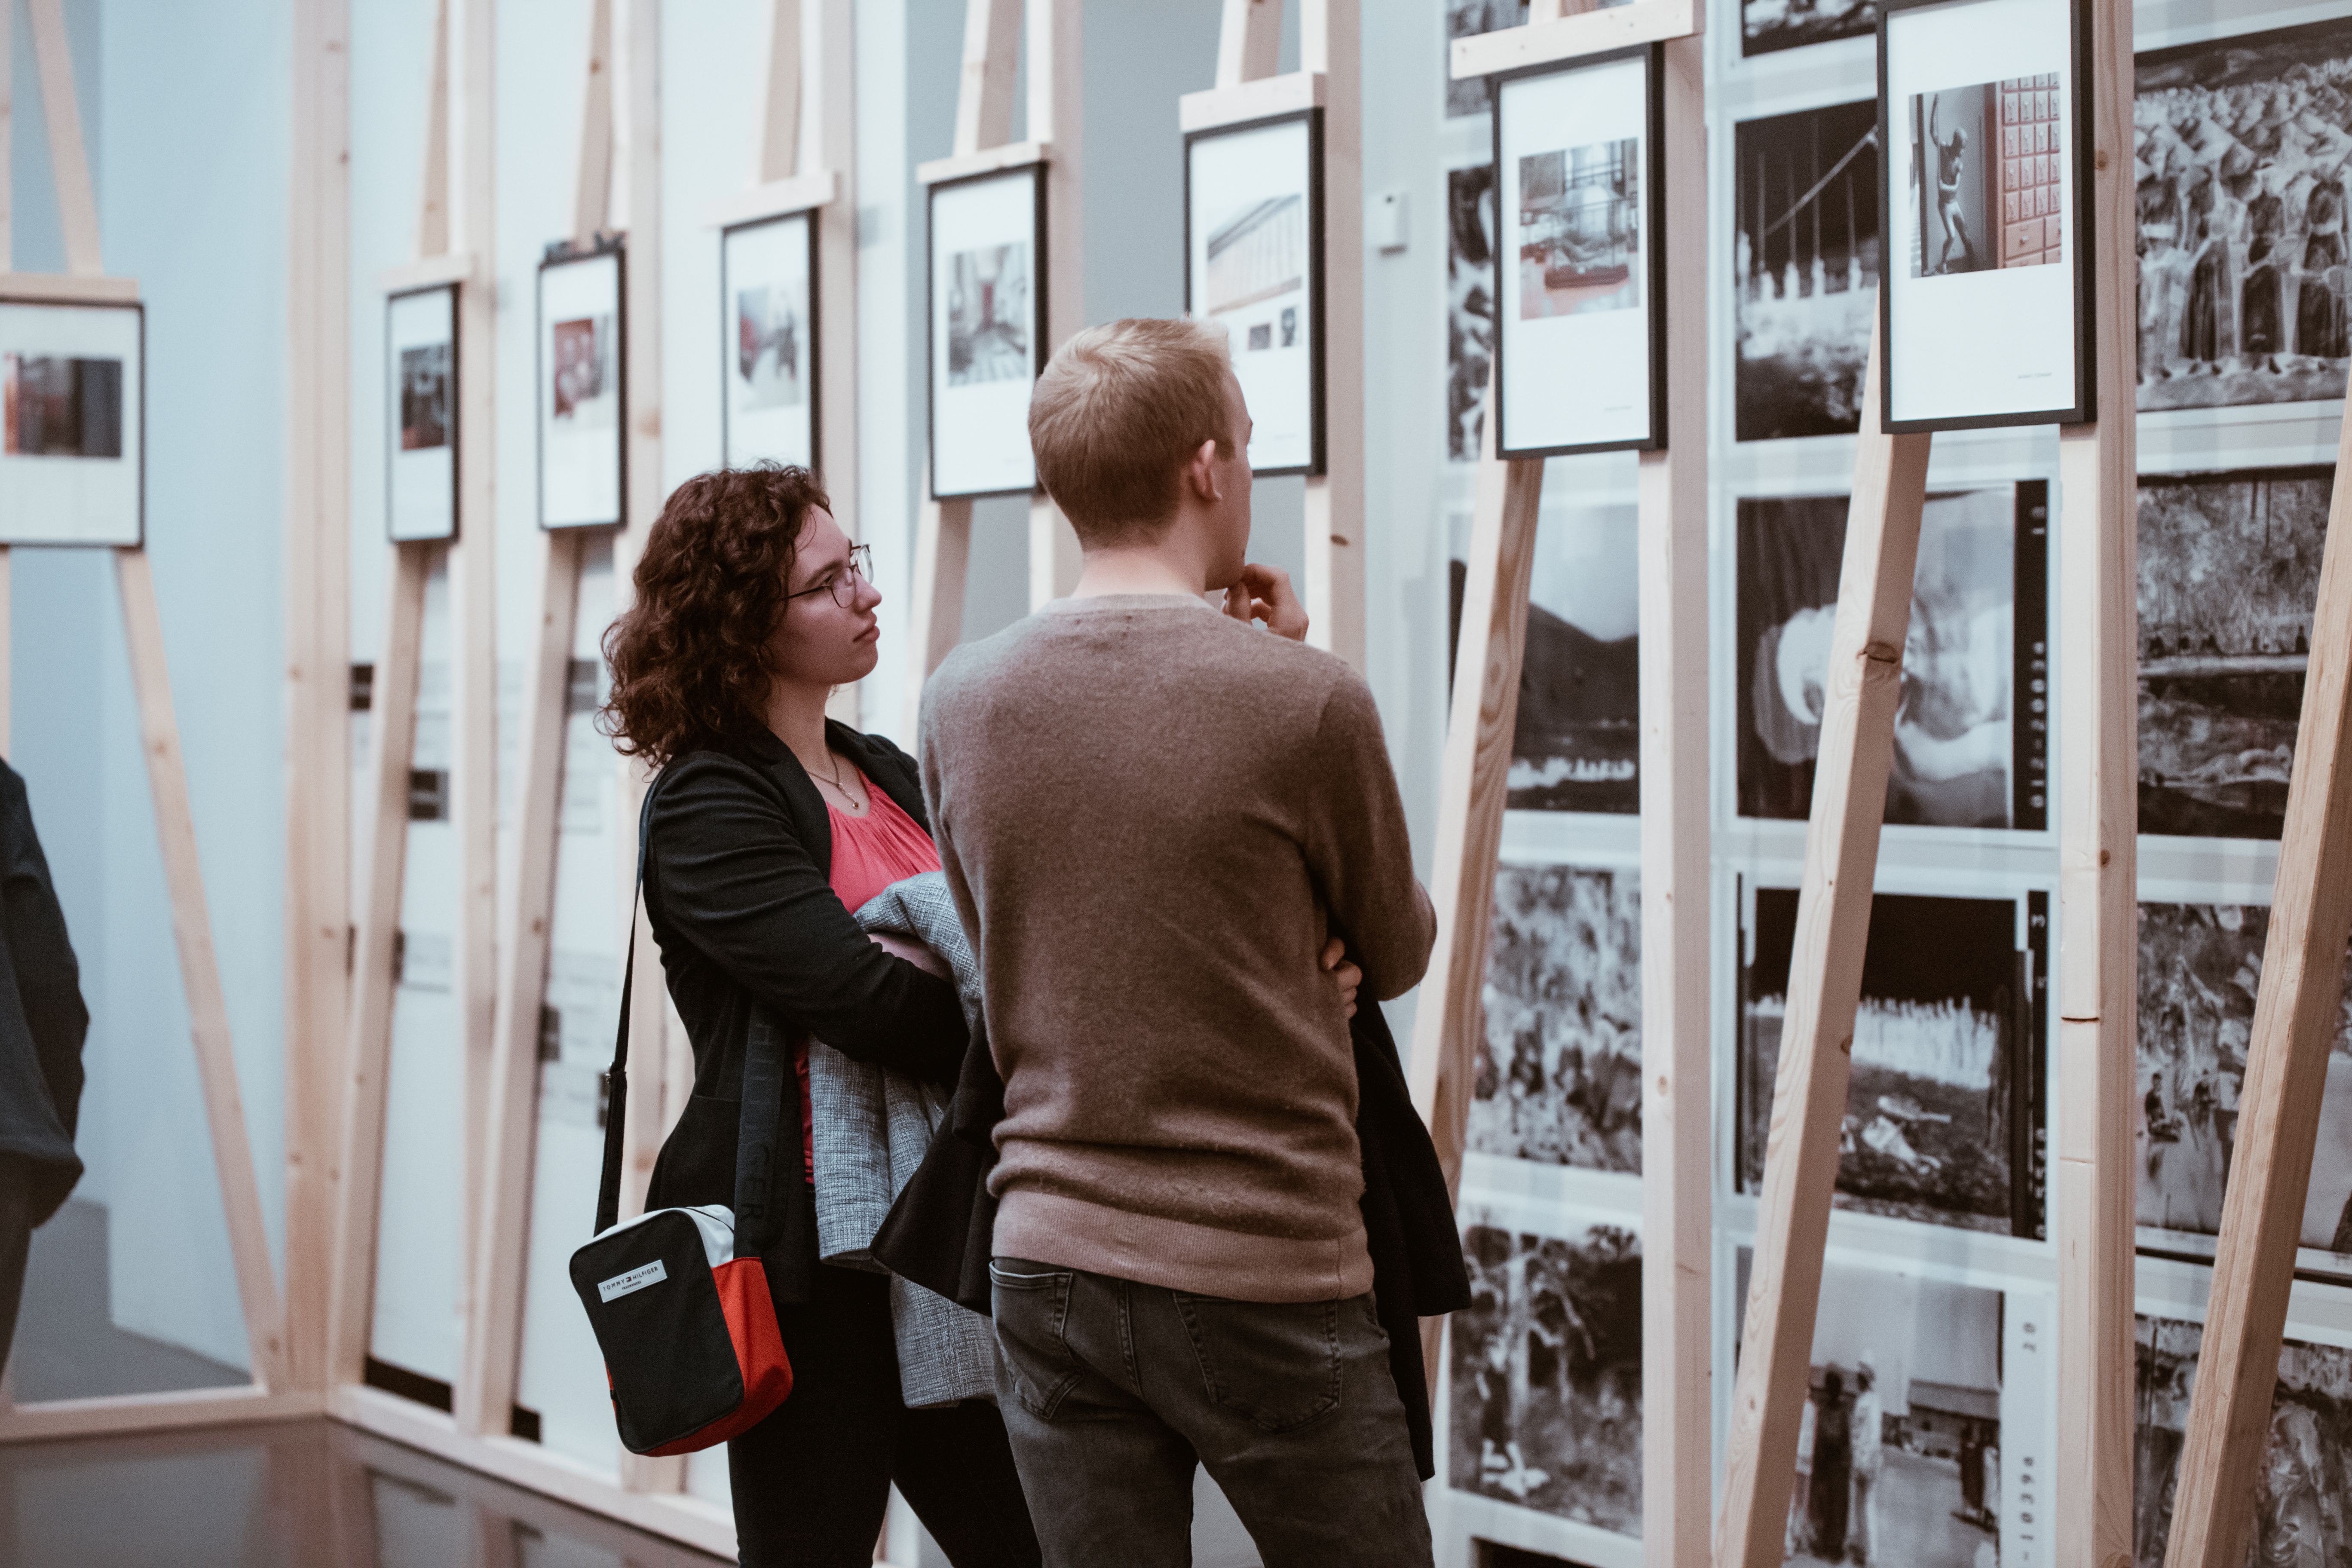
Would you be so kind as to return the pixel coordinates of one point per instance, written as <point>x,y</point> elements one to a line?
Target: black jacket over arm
<point>739,850</point>
<point>42,1019</point>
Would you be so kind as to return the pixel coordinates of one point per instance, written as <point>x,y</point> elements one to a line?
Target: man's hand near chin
<point>1263,594</point>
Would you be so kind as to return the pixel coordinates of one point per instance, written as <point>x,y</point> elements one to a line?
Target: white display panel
<point>768,301</point>
<point>421,405</point>
<point>581,359</point>
<point>1253,254</point>
<point>72,427</point>
<point>987,303</point>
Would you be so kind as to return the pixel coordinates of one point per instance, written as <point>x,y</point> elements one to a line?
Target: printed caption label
<point>620,1285</point>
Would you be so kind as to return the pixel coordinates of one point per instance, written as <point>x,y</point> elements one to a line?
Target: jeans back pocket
<point>1031,1304</point>
<point>1274,1363</point>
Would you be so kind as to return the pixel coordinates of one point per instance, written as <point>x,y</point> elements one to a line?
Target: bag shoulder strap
<point>616,1080</point>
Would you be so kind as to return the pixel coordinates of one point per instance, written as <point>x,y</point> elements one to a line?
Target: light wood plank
<point>7,154</point>
<point>832,80</point>
<point>1865,683</point>
<point>367,1052</point>
<point>175,831</point>
<point>776,149</point>
<point>935,617</point>
<point>433,195</point>
<point>1259,98</point>
<point>1057,49</point>
<point>68,289</point>
<point>1249,40</point>
<point>593,182</point>
<point>428,272</point>
<point>2094,1179</point>
<point>799,193</point>
<point>1576,35</point>
<point>1330,47</point>
<point>68,162</point>
<point>992,39</point>
<point>987,161</point>
<point>119,1415</point>
<point>484,1391</point>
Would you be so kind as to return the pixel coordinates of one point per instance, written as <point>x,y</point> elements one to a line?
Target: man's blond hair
<point>1118,413</point>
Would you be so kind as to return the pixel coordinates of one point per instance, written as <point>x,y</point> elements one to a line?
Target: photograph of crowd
<point>2220,673</point>
<point>2242,149</point>
<point>1469,306</point>
<point>1804,269</point>
<point>1899,1446</point>
<point>1575,743</point>
<point>1546,1409</point>
<point>1560,1075</point>
<point>2200,967</point>
<point>1943,1106</point>
<point>1965,754</point>
<point>2305,1488</point>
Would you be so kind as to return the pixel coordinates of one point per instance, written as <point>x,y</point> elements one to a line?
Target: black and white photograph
<point>1920,1438</point>
<point>1804,269</point>
<point>1579,319</point>
<point>420,460</point>
<point>581,451</point>
<point>1987,319</point>
<point>1971,741</point>
<point>1469,307</point>
<point>2199,967</point>
<point>71,423</point>
<point>1766,25</point>
<point>1546,1410</point>
<point>1252,263</point>
<point>1467,19</point>
<point>2303,1506</point>
<point>987,309</point>
<point>1577,743</point>
<point>1560,1078</point>
<point>2240,155</point>
<point>2229,576</point>
<point>768,297</point>
<point>1944,1105</point>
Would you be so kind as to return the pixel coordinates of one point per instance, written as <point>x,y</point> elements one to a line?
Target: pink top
<point>870,853</point>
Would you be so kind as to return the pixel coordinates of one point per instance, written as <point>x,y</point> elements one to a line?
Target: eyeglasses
<point>844,585</point>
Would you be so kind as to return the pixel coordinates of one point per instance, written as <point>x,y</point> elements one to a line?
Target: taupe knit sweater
<point>1151,816</point>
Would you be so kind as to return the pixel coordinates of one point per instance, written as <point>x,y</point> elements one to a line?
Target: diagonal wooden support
<point>1800,1159</point>
<point>2295,1023</point>
<point>77,199</point>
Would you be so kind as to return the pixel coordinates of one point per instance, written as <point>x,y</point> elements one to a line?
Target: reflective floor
<point>296,1494</point>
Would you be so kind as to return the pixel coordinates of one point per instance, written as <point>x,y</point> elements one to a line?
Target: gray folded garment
<point>871,1127</point>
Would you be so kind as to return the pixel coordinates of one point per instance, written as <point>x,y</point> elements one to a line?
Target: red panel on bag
<point>758,1351</point>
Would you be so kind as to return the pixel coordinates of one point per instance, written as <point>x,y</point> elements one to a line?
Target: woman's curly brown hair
<point>689,657</point>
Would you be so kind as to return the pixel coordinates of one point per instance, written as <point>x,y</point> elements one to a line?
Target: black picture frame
<point>727,324</point>
<point>1316,386</point>
<point>137,310</point>
<point>1036,174</point>
<point>1653,214</point>
<point>392,424</point>
<point>562,253</point>
<point>2083,407</point>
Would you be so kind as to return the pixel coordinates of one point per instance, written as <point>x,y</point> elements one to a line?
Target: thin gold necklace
<point>838,787</point>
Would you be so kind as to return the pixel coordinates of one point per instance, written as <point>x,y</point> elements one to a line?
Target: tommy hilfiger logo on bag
<point>634,1279</point>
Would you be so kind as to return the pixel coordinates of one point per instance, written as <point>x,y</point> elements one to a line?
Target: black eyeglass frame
<point>860,568</point>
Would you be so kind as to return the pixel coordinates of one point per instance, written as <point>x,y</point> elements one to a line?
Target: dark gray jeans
<point>1113,1391</point>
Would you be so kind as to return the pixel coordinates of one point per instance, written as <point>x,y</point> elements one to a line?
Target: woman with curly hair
<point>769,824</point>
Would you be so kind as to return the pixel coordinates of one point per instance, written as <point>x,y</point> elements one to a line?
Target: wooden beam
<point>67,289</point>
<point>800,193</point>
<point>1258,98</point>
<point>987,161</point>
<point>935,617</point>
<point>318,655</point>
<point>776,151</point>
<point>428,272</point>
<point>68,163</point>
<point>1576,35</point>
<point>1056,46</point>
<point>433,196</point>
<point>1331,47</point>
<point>174,1411</point>
<point>1800,1159</point>
<point>367,1052</point>
<point>593,180</point>
<point>1249,40</point>
<point>991,35</point>
<point>175,831</point>
<point>7,154</point>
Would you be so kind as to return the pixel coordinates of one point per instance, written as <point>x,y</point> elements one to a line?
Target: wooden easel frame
<point>2092,1179</point>
<point>271,1391</point>
<point>1677,1346</point>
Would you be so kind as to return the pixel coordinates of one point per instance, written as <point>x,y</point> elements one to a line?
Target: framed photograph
<point>1766,25</point>
<point>988,338</point>
<point>1253,261</point>
<point>2200,965</point>
<point>582,406</point>
<point>2245,286</point>
<point>1579,324</point>
<point>1972,734</point>
<point>1986,107</point>
<point>1946,1105</point>
<point>767,293</point>
<point>1469,307</point>
<point>1805,267</point>
<point>420,355</point>
<point>72,424</point>
<point>1944,1380</point>
<point>1577,743</point>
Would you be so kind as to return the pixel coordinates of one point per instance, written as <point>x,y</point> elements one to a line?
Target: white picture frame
<point>420,353</point>
<point>987,330</point>
<point>72,424</point>
<point>1579,272</point>
<point>583,400</point>
<point>1254,263</point>
<point>769,354</point>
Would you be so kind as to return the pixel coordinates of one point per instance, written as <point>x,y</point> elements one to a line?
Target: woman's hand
<point>914,952</point>
<point>1343,974</point>
<point>1263,594</point>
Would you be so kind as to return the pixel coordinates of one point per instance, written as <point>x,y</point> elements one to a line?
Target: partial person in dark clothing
<point>42,1023</point>
<point>769,825</point>
<point>1833,1466</point>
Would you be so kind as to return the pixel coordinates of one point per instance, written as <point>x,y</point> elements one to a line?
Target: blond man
<point>1157,821</point>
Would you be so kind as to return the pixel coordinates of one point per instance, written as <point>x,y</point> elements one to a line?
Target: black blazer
<point>42,1019</point>
<point>739,850</point>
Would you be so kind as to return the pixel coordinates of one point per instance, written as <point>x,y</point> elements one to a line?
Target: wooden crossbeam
<point>1249,40</point>
<point>77,200</point>
<point>1330,44</point>
<point>1056,85</point>
<point>1800,1157</point>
